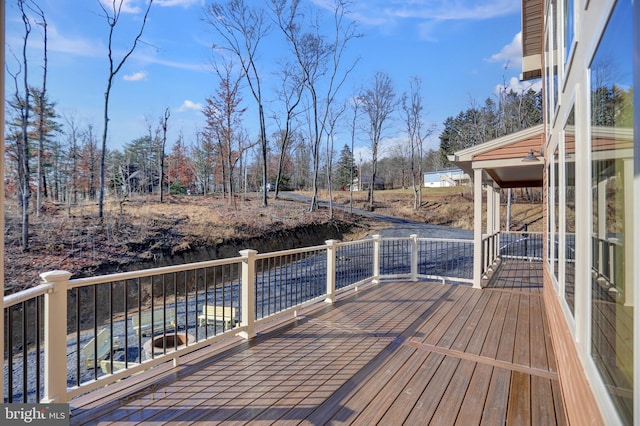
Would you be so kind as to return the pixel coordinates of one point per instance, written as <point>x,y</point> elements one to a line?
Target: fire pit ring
<point>171,341</point>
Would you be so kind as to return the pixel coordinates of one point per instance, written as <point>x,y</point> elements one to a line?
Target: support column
<point>248,296</point>
<point>496,224</point>
<point>628,232</point>
<point>377,239</point>
<point>331,271</point>
<point>55,337</point>
<point>414,257</point>
<point>490,207</point>
<point>602,224</point>
<point>477,228</point>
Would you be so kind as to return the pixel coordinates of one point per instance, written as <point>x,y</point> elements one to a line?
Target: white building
<point>441,178</point>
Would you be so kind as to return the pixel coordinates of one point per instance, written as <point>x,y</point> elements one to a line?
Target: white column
<point>489,248</point>
<point>377,239</point>
<point>55,337</point>
<point>496,224</point>
<point>602,223</point>
<point>414,257</point>
<point>628,232</point>
<point>477,228</point>
<point>248,297</point>
<point>490,207</point>
<point>331,271</point>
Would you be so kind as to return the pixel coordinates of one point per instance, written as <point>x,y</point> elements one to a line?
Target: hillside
<point>141,231</point>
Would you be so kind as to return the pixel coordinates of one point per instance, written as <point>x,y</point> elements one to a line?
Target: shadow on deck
<point>398,352</point>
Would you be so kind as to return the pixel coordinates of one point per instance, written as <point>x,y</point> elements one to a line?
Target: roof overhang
<point>532,40</point>
<point>502,159</point>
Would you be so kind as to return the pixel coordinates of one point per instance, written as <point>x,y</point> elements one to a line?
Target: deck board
<point>494,412</point>
<point>519,410</point>
<point>398,352</point>
<point>432,395</point>
<point>475,396</point>
<point>523,329</point>
<point>492,341</point>
<point>404,402</point>
<point>508,335</point>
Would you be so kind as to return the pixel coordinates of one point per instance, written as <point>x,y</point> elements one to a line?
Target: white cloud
<point>511,53</point>
<point>183,3</point>
<point>519,86</point>
<point>59,43</point>
<point>136,76</point>
<point>188,105</point>
<point>384,12</point>
<point>128,6</point>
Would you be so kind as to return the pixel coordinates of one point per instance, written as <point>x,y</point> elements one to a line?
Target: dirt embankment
<point>147,234</point>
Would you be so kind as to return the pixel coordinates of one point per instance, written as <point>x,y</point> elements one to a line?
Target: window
<point>556,214</point>
<point>612,188</point>
<point>569,28</point>
<point>569,210</point>
<point>551,71</point>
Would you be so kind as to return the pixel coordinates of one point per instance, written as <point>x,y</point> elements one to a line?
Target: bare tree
<point>224,113</point>
<point>378,103</point>
<point>242,28</point>
<point>201,153</point>
<point>42,113</point>
<point>290,93</point>
<point>331,129</point>
<point>412,113</point>
<point>73,156</point>
<point>163,123</point>
<point>112,15</point>
<point>24,111</point>
<point>320,60</point>
<point>355,106</point>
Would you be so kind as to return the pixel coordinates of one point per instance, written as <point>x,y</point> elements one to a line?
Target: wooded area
<point>74,163</point>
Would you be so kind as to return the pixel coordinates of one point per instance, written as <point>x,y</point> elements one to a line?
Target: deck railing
<point>521,245</point>
<point>606,253</point>
<point>67,337</point>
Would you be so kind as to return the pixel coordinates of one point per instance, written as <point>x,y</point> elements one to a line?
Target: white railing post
<point>477,229</point>
<point>248,297</point>
<point>414,257</point>
<point>613,281</point>
<point>55,337</point>
<point>377,239</point>
<point>331,271</point>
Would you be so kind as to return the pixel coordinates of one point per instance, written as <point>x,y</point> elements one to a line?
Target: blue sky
<point>458,47</point>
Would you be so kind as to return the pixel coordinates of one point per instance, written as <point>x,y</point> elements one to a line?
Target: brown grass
<point>441,206</point>
<point>136,229</point>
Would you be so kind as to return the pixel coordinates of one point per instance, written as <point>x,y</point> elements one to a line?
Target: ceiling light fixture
<point>530,157</point>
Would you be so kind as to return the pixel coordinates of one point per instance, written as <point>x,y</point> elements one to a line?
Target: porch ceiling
<point>502,158</point>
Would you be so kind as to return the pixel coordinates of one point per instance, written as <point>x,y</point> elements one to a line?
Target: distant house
<point>364,184</point>
<point>445,177</point>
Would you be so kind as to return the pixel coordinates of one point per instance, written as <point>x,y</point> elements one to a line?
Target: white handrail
<point>122,276</point>
<point>28,294</point>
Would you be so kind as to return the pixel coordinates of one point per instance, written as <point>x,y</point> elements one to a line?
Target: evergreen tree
<point>515,112</point>
<point>345,168</point>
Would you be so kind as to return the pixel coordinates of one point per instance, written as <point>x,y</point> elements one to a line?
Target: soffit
<point>532,38</point>
<point>501,159</point>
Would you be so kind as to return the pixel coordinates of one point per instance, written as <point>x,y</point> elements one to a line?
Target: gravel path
<point>399,227</point>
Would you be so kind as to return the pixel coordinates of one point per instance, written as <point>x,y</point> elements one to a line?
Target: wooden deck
<point>395,353</point>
